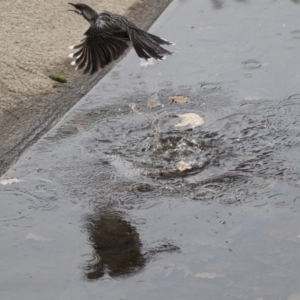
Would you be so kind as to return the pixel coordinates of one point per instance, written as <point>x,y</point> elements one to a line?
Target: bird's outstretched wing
<point>104,43</point>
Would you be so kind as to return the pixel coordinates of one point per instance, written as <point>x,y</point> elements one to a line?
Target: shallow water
<point>102,212</point>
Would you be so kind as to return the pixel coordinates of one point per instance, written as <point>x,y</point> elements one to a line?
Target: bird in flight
<point>108,37</point>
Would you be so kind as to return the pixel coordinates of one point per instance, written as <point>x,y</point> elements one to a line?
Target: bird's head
<point>84,10</point>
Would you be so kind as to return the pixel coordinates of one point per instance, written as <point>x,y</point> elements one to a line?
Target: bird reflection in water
<point>116,248</point>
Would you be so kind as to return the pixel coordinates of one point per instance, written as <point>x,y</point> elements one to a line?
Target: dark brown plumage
<point>108,37</point>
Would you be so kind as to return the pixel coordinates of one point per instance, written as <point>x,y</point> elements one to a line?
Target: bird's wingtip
<point>73,63</point>
<point>167,42</point>
<point>71,47</point>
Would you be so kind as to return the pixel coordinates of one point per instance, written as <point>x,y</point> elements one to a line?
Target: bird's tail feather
<point>147,45</point>
<point>159,40</point>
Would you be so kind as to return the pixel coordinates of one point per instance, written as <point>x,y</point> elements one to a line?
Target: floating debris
<point>179,99</point>
<point>182,166</point>
<point>192,119</point>
<point>9,181</point>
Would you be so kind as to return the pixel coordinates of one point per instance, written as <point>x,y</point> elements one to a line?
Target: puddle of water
<point>103,211</point>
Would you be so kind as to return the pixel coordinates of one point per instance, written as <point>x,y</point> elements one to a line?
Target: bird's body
<point>109,36</point>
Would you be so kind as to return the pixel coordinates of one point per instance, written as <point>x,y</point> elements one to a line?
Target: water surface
<point>102,212</point>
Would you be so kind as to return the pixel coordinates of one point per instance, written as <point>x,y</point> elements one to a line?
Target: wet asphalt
<point>98,209</point>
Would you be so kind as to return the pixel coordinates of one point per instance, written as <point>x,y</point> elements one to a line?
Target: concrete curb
<point>17,136</point>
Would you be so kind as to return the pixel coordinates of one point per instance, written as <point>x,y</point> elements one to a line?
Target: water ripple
<point>294,97</point>
<point>209,86</point>
<point>251,64</point>
<point>296,34</point>
<point>16,208</point>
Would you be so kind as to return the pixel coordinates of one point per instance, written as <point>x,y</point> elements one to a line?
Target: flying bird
<point>108,37</point>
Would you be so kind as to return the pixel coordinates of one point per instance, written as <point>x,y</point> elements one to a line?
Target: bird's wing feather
<point>108,38</point>
<point>105,41</point>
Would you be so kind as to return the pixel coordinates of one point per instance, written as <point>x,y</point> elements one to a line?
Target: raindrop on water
<point>140,221</point>
<point>251,64</point>
<point>210,86</point>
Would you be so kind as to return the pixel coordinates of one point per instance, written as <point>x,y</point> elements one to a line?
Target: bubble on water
<point>251,64</point>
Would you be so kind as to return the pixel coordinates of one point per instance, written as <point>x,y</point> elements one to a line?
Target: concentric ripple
<point>209,86</point>
<point>16,207</point>
<point>251,64</point>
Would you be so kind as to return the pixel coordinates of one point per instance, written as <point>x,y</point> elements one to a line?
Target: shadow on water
<point>117,248</point>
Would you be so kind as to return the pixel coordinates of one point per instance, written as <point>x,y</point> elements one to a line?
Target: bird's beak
<point>76,10</point>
